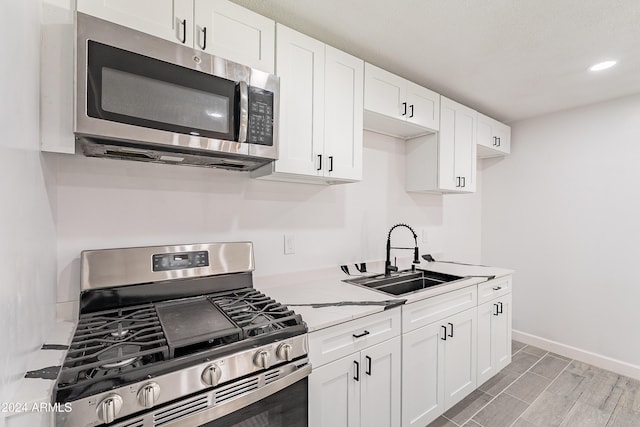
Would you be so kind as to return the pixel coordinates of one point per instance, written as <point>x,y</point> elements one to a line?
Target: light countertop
<point>320,287</point>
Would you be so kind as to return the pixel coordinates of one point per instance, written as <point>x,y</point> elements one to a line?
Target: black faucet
<point>388,268</point>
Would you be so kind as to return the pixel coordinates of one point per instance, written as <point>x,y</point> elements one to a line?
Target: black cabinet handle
<point>356,375</point>
<point>499,142</point>
<point>184,31</point>
<point>457,181</point>
<point>362,334</point>
<point>496,312</point>
<point>500,312</point>
<point>411,107</point>
<point>451,334</point>
<point>320,162</point>
<point>445,333</point>
<point>495,141</point>
<point>204,38</point>
<point>404,108</point>
<point>330,163</point>
<point>497,288</point>
<point>368,371</point>
<point>464,181</point>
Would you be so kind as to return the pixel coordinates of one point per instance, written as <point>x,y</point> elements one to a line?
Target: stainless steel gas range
<point>178,336</point>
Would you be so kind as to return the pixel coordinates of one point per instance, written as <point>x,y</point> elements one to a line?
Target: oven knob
<point>284,351</point>
<point>109,408</point>
<point>211,375</point>
<point>148,394</point>
<point>262,359</point>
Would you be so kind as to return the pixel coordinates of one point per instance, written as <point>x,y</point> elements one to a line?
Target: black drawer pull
<point>184,31</point>
<point>497,288</point>
<point>451,334</point>
<point>368,371</point>
<point>204,38</point>
<point>444,338</point>
<point>319,162</point>
<point>404,108</point>
<point>411,106</point>
<point>500,304</point>
<point>356,375</point>
<point>496,312</point>
<point>362,334</point>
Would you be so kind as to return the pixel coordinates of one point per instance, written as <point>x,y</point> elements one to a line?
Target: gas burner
<point>117,356</point>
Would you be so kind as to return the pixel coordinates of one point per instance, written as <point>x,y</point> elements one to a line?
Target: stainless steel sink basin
<point>403,282</point>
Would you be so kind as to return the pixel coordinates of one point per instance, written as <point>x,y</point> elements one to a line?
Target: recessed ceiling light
<point>603,65</point>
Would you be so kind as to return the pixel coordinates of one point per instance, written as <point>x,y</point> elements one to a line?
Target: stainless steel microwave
<point>139,97</point>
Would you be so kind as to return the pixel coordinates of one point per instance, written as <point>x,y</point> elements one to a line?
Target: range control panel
<point>178,261</point>
<point>260,129</point>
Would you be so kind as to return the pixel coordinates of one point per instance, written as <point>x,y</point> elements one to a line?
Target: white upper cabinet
<point>321,96</point>
<point>168,19</point>
<point>225,29</point>
<point>218,27</point>
<point>398,107</point>
<point>494,138</point>
<point>446,162</point>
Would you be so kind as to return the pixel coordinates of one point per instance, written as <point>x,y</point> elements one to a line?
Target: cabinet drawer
<point>421,313</point>
<point>493,289</point>
<point>338,341</point>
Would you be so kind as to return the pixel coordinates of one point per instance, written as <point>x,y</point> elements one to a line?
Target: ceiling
<point>510,59</point>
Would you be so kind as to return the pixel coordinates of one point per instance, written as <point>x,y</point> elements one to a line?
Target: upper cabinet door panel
<point>301,70</point>
<point>494,138</point>
<point>447,146</point>
<point>235,33</point>
<point>385,93</point>
<point>465,146</point>
<point>168,19</point>
<point>423,106</point>
<point>344,83</point>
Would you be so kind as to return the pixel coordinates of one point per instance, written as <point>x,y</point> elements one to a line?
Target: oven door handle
<point>244,111</point>
<point>242,401</point>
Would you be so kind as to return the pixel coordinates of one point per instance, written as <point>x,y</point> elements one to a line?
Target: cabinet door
<point>344,86</point>
<point>503,133</point>
<point>457,147</point>
<point>486,342</point>
<point>422,375</point>
<point>334,393</point>
<point>502,333</point>
<point>235,33</point>
<point>493,137</point>
<point>384,93</point>
<point>423,106</point>
<point>460,356</point>
<point>380,385</point>
<point>300,61</point>
<point>168,19</point>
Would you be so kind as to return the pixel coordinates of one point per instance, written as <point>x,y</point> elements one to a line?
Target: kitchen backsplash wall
<point>562,210</point>
<point>27,192</point>
<point>107,203</point>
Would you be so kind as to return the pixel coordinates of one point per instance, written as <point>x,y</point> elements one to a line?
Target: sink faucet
<point>388,268</point>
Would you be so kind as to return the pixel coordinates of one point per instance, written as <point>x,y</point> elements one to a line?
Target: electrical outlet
<point>289,244</point>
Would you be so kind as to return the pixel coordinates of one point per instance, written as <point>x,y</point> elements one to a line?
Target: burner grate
<point>254,312</point>
<point>107,342</point>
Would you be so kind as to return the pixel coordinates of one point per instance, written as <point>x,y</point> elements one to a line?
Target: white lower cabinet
<point>438,367</point>
<point>494,337</point>
<point>361,389</point>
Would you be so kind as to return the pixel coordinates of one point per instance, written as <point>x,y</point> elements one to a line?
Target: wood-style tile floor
<point>542,389</point>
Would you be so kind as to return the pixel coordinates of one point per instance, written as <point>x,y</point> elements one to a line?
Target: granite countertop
<point>299,292</point>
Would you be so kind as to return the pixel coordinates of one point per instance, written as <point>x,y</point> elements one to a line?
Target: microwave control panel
<point>260,129</point>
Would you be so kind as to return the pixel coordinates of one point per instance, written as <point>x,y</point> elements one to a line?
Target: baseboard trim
<point>604,362</point>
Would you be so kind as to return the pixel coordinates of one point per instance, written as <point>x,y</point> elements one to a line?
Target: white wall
<point>110,203</point>
<point>563,210</point>
<point>27,195</point>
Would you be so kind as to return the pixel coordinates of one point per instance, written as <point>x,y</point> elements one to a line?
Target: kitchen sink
<point>403,282</point>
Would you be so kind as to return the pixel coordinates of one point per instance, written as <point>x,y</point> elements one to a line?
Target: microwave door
<point>129,88</point>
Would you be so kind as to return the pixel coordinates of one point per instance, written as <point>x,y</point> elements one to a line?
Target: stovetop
<point>120,346</point>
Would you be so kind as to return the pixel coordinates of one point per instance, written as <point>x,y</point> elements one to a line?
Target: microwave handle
<point>244,111</point>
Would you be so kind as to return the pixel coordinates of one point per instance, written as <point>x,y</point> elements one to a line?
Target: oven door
<point>129,88</point>
<point>286,408</point>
